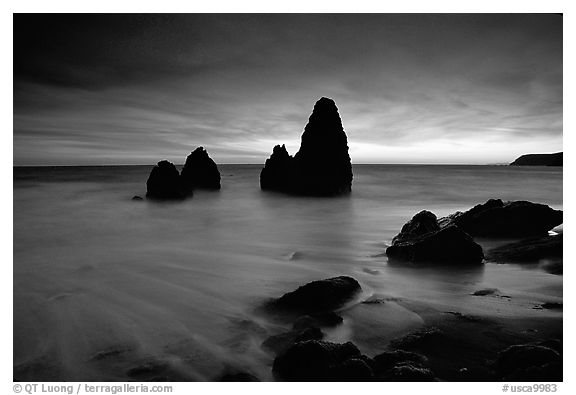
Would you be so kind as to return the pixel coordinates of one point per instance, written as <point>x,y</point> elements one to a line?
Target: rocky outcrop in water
<point>318,296</point>
<point>199,171</point>
<point>322,165</point>
<point>496,218</point>
<point>164,182</point>
<point>539,160</point>
<point>422,240</point>
<point>278,171</point>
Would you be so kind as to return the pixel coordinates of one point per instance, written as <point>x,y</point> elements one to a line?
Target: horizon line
<point>262,164</point>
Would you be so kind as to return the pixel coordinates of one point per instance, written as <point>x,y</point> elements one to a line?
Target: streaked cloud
<point>410,88</point>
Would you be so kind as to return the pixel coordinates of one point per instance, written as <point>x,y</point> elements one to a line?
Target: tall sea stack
<point>322,165</point>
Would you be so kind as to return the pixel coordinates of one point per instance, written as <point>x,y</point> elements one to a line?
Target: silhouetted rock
<point>423,223</point>
<point>320,320</point>
<point>539,160</point>
<point>281,342</point>
<point>137,198</point>
<point>528,361</point>
<point>164,182</point>
<point>277,173</point>
<point>317,296</point>
<point>199,171</point>
<point>528,250</point>
<point>496,218</point>
<point>322,165</point>
<point>423,240</point>
<point>314,361</point>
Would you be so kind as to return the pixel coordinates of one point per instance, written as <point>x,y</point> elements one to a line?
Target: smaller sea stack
<point>199,171</point>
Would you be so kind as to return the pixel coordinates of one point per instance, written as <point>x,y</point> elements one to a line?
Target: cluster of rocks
<point>199,171</point>
<point>322,165</point>
<point>425,238</point>
<point>303,355</point>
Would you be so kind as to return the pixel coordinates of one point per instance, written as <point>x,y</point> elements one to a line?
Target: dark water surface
<point>103,284</point>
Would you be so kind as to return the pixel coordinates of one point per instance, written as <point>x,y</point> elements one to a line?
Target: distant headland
<point>539,160</point>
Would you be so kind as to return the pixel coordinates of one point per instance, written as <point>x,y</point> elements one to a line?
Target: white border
<point>250,6</point>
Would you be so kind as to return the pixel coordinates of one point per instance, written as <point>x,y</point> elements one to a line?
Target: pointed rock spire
<point>322,165</point>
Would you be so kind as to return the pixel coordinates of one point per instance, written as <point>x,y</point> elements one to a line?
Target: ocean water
<point>106,288</point>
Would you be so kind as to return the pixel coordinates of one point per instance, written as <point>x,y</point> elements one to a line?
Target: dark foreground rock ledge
<point>322,166</point>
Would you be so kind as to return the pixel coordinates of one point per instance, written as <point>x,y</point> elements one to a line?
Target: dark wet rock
<point>319,296</point>
<point>528,250</point>
<point>422,224</point>
<point>110,353</point>
<point>408,372</point>
<point>314,361</point>
<point>464,317</point>
<point>428,340</point>
<point>485,292</point>
<point>353,369</point>
<point>238,377</point>
<point>539,160</point>
<point>319,320</point>
<point>148,370</point>
<point>549,372</point>
<point>281,342</point>
<point>552,306</point>
<point>199,171</point>
<point>553,344</point>
<point>389,359</point>
<point>423,240</point>
<point>137,198</point>
<point>496,218</point>
<point>164,182</point>
<point>322,165</point>
<point>520,361</point>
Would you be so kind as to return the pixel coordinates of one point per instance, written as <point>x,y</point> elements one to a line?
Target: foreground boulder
<point>281,342</point>
<point>199,171</point>
<point>529,362</point>
<point>320,361</point>
<point>318,296</point>
<point>322,165</point>
<point>423,240</point>
<point>164,182</point>
<point>496,218</point>
<point>539,160</point>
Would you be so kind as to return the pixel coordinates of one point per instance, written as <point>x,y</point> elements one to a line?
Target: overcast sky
<point>130,89</point>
